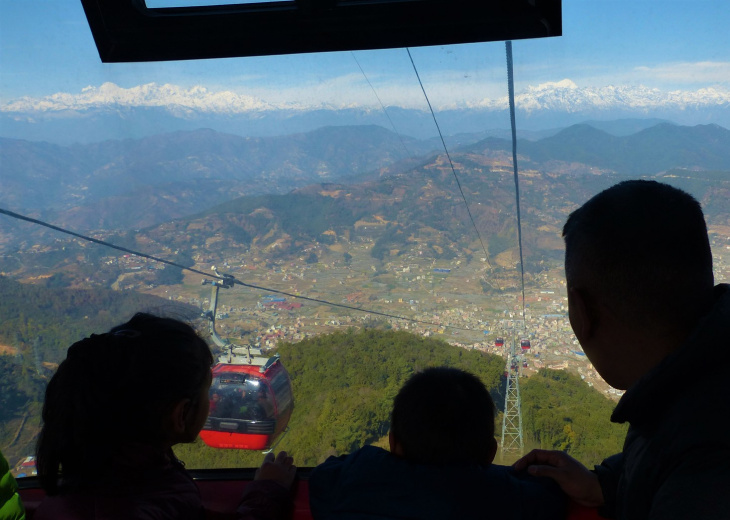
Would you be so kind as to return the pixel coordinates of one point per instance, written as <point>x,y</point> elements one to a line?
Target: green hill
<point>561,412</point>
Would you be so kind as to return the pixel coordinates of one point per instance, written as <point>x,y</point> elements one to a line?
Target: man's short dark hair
<point>444,416</point>
<point>643,246</point>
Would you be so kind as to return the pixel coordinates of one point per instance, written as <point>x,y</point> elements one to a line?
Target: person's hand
<point>280,469</point>
<point>576,481</point>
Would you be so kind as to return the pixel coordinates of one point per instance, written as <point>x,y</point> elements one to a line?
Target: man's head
<point>443,416</point>
<point>637,256</point>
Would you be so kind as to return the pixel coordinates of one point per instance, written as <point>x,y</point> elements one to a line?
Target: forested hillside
<point>561,412</point>
<point>344,385</point>
<point>31,315</point>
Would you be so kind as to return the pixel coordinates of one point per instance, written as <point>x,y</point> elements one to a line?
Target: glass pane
<point>236,396</point>
<point>322,182</point>
<point>155,4</point>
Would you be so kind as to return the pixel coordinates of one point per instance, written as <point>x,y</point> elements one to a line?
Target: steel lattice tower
<point>512,440</point>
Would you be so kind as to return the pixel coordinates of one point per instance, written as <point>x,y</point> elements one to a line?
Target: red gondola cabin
<point>250,405</point>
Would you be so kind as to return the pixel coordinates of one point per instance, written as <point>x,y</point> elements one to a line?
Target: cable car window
<point>232,379</point>
<point>282,388</point>
<point>359,208</point>
<point>159,4</point>
<point>248,399</point>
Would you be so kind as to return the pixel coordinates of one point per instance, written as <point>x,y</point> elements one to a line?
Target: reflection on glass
<point>238,396</point>
<point>157,4</point>
<point>324,176</point>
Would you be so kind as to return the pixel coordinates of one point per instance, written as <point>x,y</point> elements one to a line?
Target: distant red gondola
<point>250,395</point>
<point>249,405</point>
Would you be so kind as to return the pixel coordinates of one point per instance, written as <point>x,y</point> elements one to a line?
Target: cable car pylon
<point>512,436</point>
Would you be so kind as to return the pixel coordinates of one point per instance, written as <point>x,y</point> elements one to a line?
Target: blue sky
<point>46,47</point>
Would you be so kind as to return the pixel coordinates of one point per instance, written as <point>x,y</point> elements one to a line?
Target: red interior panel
<point>221,497</point>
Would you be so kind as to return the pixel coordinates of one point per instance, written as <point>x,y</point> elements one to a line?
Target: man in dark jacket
<point>643,306</point>
<point>439,465</point>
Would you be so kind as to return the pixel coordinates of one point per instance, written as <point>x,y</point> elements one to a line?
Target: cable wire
<point>453,170</point>
<point>382,106</point>
<point>511,88</point>
<point>229,278</point>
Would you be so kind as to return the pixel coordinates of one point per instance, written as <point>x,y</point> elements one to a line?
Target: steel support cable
<point>511,88</point>
<point>382,106</point>
<point>228,278</point>
<point>453,170</point>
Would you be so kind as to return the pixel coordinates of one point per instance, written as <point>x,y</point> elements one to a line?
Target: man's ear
<point>492,451</point>
<point>581,313</point>
<point>178,416</point>
<point>395,446</point>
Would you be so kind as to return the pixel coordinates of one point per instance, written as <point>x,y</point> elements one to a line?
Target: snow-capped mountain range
<point>171,97</point>
<point>561,95</point>
<point>567,96</point>
<point>97,113</point>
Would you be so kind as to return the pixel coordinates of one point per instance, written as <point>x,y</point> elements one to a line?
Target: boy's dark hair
<point>444,416</point>
<point>114,389</point>
<point>643,246</point>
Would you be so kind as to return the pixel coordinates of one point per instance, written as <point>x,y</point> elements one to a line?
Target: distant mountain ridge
<point>139,183</point>
<point>112,112</point>
<point>87,173</point>
<point>420,213</point>
<point>622,127</point>
<point>650,151</point>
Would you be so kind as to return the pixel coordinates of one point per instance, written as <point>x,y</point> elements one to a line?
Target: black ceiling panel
<point>128,31</point>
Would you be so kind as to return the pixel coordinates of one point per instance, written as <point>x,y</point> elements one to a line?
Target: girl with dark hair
<point>113,410</point>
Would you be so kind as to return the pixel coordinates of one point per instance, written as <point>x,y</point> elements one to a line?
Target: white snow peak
<point>172,97</point>
<point>563,95</point>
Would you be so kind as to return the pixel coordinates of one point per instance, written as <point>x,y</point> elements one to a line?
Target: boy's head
<point>443,416</point>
